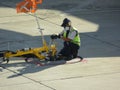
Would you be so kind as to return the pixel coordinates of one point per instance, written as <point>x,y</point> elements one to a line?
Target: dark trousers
<point>69,50</point>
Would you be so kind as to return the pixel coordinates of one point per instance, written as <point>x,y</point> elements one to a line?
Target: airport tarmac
<point>99,30</point>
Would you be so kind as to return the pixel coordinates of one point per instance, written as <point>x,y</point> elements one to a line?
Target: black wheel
<point>26,59</point>
<point>5,59</point>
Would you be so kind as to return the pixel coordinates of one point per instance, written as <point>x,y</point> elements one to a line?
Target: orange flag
<point>28,6</point>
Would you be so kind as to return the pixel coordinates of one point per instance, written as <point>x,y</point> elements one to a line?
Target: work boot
<point>68,58</point>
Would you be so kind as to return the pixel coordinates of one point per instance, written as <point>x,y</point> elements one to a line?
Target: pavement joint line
<point>68,78</point>
<point>28,78</point>
<point>49,17</point>
<point>102,41</point>
<point>44,19</point>
<point>34,16</point>
<point>59,78</point>
<point>84,35</point>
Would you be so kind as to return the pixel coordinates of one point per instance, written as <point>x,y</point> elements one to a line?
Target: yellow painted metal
<point>34,51</point>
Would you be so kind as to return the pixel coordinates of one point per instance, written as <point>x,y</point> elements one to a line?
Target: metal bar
<point>42,36</point>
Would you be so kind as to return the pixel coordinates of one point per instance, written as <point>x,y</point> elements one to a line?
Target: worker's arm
<point>65,39</point>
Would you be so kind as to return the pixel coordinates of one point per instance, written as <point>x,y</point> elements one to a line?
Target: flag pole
<point>40,29</point>
<point>31,6</point>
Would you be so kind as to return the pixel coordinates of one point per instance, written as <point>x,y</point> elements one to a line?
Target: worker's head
<point>66,23</point>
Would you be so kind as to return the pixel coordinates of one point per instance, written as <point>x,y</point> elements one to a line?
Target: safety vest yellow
<point>76,39</point>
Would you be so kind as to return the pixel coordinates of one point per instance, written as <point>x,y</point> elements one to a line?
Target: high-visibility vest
<point>76,39</point>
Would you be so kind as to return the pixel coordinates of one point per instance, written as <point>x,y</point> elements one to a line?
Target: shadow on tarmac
<point>106,35</point>
<point>103,43</point>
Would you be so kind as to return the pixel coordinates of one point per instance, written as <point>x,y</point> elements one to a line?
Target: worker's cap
<point>65,22</point>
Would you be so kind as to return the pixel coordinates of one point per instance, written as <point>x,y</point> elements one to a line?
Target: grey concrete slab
<point>97,73</point>
<point>104,82</point>
<point>25,86</point>
<point>7,11</point>
<point>19,82</point>
<point>99,31</point>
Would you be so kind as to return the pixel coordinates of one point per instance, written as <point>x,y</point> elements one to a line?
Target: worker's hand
<point>59,36</point>
<point>54,36</point>
<point>65,39</point>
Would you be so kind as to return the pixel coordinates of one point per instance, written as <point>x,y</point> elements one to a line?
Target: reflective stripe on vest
<point>76,39</point>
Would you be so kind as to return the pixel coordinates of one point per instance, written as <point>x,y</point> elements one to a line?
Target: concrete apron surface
<point>100,46</point>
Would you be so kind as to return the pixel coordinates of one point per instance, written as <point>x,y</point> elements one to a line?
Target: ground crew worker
<point>71,41</point>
